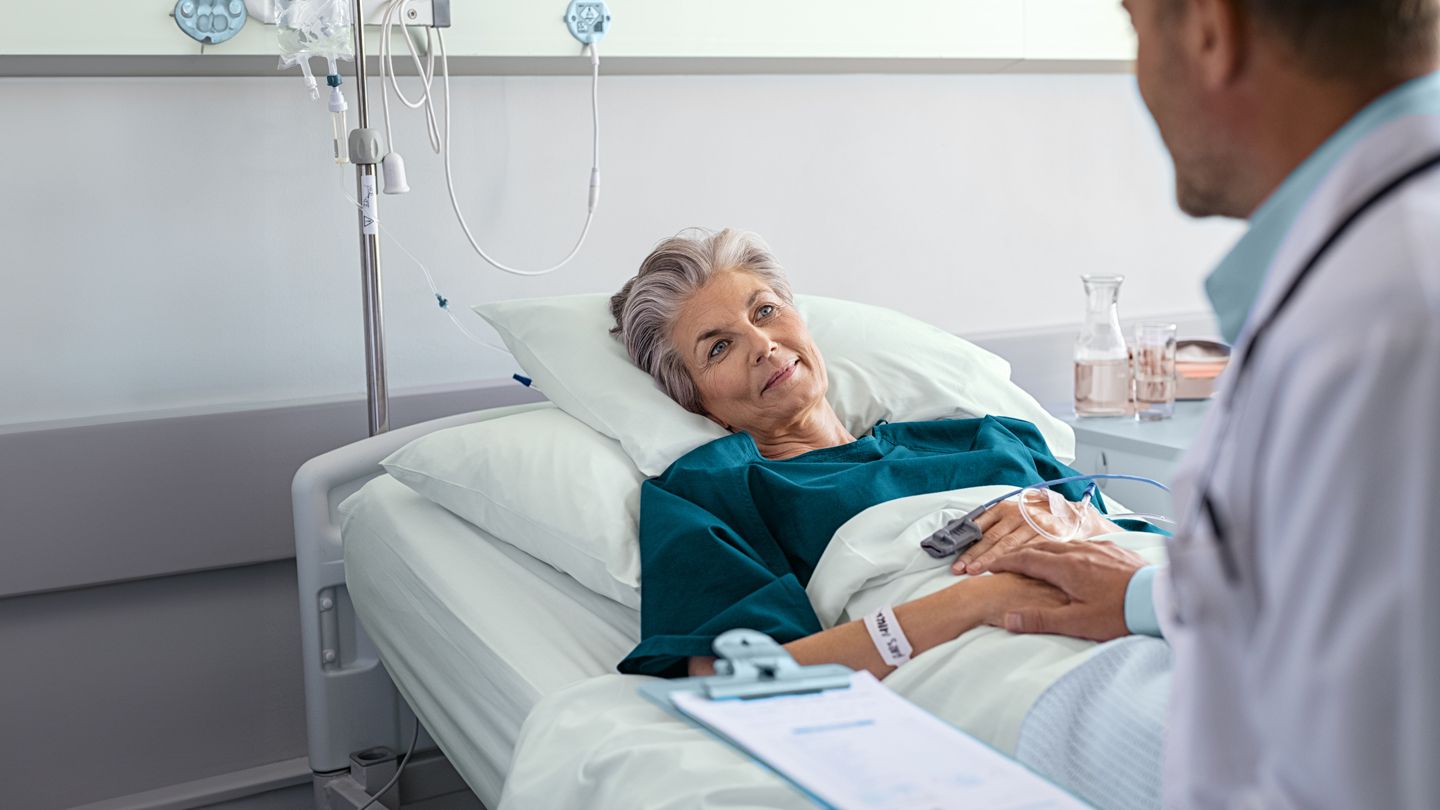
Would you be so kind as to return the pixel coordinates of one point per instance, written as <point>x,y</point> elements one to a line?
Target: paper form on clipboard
<point>867,748</point>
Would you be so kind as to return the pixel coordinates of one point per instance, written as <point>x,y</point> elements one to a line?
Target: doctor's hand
<point>998,595</point>
<point>1093,575</point>
<point>1006,530</point>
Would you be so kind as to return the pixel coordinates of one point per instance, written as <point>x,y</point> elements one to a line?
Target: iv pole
<point>377,389</point>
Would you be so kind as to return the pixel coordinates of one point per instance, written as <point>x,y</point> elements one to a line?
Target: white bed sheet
<point>473,631</point>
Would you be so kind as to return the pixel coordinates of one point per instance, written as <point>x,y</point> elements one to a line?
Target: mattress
<point>473,631</point>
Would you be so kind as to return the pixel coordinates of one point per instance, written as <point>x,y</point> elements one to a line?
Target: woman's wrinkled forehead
<point>720,303</point>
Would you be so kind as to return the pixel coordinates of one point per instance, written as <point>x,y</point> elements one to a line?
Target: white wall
<point>183,242</point>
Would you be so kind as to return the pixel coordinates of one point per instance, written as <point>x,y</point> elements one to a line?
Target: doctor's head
<point>710,318</point>
<point>1243,90</point>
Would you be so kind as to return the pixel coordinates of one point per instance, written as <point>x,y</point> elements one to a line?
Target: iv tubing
<point>1058,481</point>
<point>430,280</point>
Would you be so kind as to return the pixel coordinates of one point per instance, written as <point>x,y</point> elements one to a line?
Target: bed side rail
<point>350,702</point>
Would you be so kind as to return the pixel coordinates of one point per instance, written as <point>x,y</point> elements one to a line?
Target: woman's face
<point>749,354</point>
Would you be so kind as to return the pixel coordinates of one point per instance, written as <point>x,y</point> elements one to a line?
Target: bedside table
<point>1125,446</point>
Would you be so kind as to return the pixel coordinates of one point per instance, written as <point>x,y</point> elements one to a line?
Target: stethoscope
<point>1206,504</point>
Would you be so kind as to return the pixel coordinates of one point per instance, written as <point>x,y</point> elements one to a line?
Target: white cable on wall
<point>594,197</point>
<point>440,141</point>
<point>425,72</point>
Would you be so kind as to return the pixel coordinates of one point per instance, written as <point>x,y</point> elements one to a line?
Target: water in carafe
<point>1102,387</point>
<point>1102,361</point>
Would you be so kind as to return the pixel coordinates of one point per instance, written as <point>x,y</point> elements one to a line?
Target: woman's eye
<point>718,348</point>
<point>765,311</point>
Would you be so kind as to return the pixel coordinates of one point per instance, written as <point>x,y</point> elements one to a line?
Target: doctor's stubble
<point>1205,169</point>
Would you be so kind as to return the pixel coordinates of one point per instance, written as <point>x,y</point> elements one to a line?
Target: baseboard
<point>212,790</point>
<point>428,778</point>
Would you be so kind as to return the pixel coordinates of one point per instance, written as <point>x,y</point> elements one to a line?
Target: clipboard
<point>844,740</point>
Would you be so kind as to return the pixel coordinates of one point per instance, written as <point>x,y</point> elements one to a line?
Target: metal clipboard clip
<point>752,665</point>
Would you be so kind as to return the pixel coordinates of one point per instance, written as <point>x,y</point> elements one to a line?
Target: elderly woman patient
<point>732,532</point>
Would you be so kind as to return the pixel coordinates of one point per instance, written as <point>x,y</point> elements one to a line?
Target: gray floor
<point>301,797</point>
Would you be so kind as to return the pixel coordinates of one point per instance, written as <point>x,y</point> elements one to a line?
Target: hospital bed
<point>509,662</point>
<point>476,636</point>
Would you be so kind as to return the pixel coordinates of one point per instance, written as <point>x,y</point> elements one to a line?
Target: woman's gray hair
<point>645,309</point>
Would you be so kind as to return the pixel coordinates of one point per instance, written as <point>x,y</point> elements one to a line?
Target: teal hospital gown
<point>729,538</point>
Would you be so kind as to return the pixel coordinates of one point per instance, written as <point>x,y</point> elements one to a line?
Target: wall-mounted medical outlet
<point>434,13</point>
<point>588,20</point>
<point>210,21</point>
<point>431,13</point>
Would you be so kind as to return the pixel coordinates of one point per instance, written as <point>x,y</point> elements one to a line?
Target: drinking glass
<point>1154,371</point>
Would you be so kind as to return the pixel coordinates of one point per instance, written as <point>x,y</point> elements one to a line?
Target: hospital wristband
<point>890,640</point>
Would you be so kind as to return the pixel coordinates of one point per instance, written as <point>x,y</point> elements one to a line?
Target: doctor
<point>1303,596</point>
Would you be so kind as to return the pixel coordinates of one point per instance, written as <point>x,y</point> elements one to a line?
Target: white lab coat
<point>1313,681</point>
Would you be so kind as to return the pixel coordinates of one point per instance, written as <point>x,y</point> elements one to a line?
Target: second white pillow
<point>544,483</point>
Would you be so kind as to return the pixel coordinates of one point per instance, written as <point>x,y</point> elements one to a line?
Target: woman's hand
<point>1006,530</point>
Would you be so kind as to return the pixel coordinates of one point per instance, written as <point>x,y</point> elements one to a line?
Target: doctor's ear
<point>1218,38</point>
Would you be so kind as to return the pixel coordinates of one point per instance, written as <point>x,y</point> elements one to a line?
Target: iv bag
<point>309,28</point>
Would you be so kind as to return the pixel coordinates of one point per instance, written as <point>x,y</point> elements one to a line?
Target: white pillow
<point>542,482</point>
<point>882,365</point>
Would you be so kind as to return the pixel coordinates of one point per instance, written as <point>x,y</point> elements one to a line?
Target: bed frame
<point>356,721</point>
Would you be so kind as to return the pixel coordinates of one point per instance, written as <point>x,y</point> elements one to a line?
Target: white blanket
<point>598,744</point>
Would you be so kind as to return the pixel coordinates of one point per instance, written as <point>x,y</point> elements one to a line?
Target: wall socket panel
<point>433,13</point>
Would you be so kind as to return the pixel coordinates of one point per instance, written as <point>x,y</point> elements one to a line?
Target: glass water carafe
<point>1102,361</point>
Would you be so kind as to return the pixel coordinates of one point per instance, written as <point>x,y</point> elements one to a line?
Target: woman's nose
<point>766,348</point>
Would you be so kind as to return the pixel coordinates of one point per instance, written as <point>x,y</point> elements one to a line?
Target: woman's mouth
<point>781,376</point>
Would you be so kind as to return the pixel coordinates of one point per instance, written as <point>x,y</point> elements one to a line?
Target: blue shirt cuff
<point>1140,616</point>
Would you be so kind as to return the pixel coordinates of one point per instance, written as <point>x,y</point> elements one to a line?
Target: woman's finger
<point>967,557</point>
<point>962,563</point>
<point>998,528</point>
<point>990,516</point>
<point>999,513</point>
<point>1001,547</point>
<point>1003,524</point>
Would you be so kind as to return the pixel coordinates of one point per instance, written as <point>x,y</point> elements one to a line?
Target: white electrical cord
<point>393,14</point>
<point>441,143</point>
<point>594,166</point>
